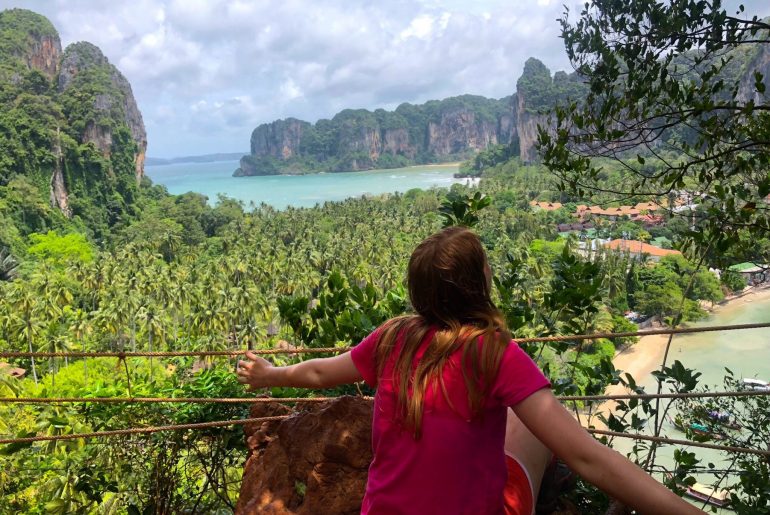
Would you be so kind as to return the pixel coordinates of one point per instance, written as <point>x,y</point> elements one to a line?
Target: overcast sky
<point>206,72</point>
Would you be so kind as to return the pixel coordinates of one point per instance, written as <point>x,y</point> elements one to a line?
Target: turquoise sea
<point>281,191</point>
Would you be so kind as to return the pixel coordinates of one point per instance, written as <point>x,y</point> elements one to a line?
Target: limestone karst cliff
<point>71,123</point>
<point>84,66</point>
<point>437,131</point>
<point>29,42</point>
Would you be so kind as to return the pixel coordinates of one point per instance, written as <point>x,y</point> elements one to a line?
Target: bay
<point>745,352</point>
<point>281,191</point>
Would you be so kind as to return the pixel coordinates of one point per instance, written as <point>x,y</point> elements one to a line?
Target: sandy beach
<point>644,357</point>
<point>434,165</point>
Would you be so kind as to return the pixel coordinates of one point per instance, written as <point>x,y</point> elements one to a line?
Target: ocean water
<point>745,352</point>
<point>281,191</point>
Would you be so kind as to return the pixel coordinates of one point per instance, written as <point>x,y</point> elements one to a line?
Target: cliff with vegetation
<point>72,137</point>
<point>357,139</point>
<point>437,131</point>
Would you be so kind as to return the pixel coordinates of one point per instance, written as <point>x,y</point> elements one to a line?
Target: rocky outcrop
<point>86,100</point>
<point>85,58</point>
<point>361,140</point>
<point>279,140</point>
<point>316,461</point>
<point>527,124</point>
<point>437,131</point>
<point>396,142</point>
<point>44,55</point>
<point>32,40</point>
<point>59,196</point>
<point>747,90</point>
<point>507,128</point>
<point>459,131</point>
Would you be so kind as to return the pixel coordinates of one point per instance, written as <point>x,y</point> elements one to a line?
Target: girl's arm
<point>314,373</point>
<point>553,425</point>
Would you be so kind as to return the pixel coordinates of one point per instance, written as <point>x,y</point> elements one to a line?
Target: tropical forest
<point>629,194</point>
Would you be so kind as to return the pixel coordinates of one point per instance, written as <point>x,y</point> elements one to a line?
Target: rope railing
<point>306,350</point>
<point>256,420</point>
<point>327,350</point>
<point>675,441</point>
<point>267,400</point>
<point>139,430</point>
<point>154,400</point>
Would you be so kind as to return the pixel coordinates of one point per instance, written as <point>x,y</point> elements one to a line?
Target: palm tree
<point>152,326</point>
<point>25,324</point>
<point>8,265</point>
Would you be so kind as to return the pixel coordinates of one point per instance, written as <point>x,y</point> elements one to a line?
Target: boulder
<point>315,461</point>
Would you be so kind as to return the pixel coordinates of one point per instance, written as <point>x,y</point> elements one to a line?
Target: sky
<point>205,73</point>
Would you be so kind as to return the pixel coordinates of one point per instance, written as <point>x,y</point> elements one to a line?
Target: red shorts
<point>518,490</point>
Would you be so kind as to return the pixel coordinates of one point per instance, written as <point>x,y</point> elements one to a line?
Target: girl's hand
<point>314,373</point>
<point>254,372</point>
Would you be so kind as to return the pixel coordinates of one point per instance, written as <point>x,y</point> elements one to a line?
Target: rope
<point>260,400</point>
<point>684,443</point>
<point>140,430</point>
<point>170,354</point>
<point>192,400</point>
<point>682,330</point>
<point>224,423</point>
<point>324,350</point>
<point>644,396</point>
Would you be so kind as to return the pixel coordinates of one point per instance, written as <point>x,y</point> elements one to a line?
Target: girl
<point>445,378</point>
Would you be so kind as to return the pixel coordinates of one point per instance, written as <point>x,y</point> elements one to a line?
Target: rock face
<point>313,462</point>
<point>44,55</point>
<point>87,101</point>
<point>460,130</point>
<point>59,196</point>
<point>396,142</point>
<point>760,63</point>
<point>32,39</point>
<point>279,139</point>
<point>526,128</point>
<point>86,59</point>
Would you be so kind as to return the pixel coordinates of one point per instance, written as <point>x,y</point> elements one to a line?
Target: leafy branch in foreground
<point>678,96</point>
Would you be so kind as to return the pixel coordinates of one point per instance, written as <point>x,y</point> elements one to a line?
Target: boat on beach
<point>696,428</point>
<point>757,385</point>
<point>709,495</point>
<point>723,418</point>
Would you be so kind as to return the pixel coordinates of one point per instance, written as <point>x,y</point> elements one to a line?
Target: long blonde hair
<point>449,289</point>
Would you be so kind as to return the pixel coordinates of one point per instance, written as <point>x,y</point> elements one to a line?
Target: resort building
<point>640,249</point>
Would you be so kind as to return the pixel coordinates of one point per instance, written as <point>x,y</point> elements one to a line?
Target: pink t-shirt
<point>458,465</point>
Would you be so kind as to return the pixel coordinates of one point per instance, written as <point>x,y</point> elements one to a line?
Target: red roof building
<point>639,248</point>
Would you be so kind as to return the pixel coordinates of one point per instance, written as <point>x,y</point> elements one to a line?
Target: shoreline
<point>431,165</point>
<point>646,356</point>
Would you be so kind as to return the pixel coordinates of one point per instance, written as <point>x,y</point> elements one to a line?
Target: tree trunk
<point>34,371</point>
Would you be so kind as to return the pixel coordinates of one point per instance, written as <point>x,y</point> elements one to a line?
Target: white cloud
<point>421,28</point>
<point>290,90</point>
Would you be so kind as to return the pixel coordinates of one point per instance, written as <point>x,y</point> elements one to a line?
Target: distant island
<point>206,158</point>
